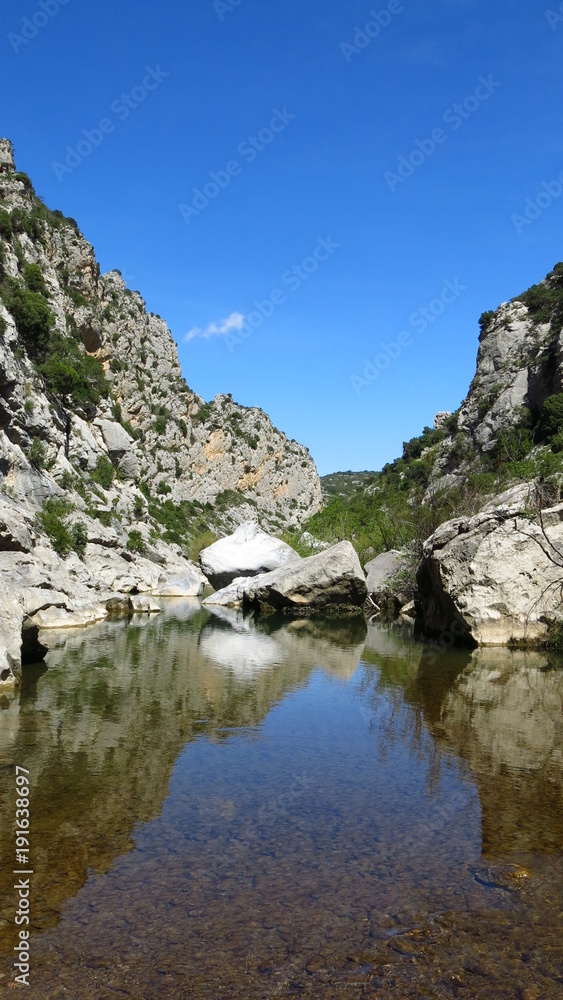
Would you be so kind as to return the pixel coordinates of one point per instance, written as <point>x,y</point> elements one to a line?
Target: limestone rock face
<point>494,577</point>
<point>330,578</point>
<point>247,552</point>
<point>180,466</point>
<point>519,364</point>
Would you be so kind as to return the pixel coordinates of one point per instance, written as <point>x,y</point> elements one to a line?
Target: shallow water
<point>293,809</point>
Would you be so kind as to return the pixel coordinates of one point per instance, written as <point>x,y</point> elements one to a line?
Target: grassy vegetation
<point>104,473</point>
<point>67,370</point>
<point>53,520</point>
<point>135,542</point>
<point>387,510</point>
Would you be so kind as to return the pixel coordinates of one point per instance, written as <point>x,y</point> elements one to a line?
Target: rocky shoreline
<point>459,600</point>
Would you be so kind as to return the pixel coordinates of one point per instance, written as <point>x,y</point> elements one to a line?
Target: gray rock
<point>493,578</point>
<point>440,419</point>
<point>143,604</point>
<point>332,578</point>
<point>119,606</point>
<point>15,535</point>
<point>232,595</point>
<point>118,442</point>
<point>247,552</point>
<point>381,570</point>
<point>60,618</point>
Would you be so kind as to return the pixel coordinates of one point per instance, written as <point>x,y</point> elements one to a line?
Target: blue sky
<point>303,111</point>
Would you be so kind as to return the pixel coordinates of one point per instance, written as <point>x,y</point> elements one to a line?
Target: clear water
<point>319,809</point>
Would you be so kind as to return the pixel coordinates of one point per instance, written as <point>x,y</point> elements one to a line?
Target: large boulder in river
<point>247,552</point>
<point>382,570</point>
<point>495,577</point>
<point>333,578</point>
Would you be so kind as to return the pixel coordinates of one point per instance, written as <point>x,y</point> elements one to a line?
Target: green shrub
<point>25,179</point>
<point>69,371</point>
<point>200,542</point>
<point>104,472</point>
<point>551,417</point>
<point>545,301</point>
<point>76,296</point>
<point>37,453</point>
<point>67,480</point>
<point>135,541</point>
<point>33,317</point>
<point>5,225</point>
<point>33,277</point>
<point>163,488</point>
<point>51,519</point>
<point>203,414</point>
<point>79,537</point>
<point>138,507</point>
<point>160,425</point>
<point>485,320</point>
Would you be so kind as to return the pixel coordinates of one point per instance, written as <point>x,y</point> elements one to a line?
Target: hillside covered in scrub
<point>508,430</point>
<point>114,473</point>
<point>95,413</point>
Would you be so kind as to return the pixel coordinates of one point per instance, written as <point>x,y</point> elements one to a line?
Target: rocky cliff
<point>519,369</point>
<point>475,502</point>
<point>111,467</point>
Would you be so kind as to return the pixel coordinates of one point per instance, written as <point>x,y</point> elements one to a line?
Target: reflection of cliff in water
<point>499,710</point>
<point>101,728</point>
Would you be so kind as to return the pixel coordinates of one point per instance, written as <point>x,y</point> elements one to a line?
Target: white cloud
<point>233,322</point>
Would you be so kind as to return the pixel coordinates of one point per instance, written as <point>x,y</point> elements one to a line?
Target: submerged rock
<point>247,552</point>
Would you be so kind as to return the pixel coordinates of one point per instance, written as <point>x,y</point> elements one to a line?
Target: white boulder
<point>247,552</point>
<point>333,578</point>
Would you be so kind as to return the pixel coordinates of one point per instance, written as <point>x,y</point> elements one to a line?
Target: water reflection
<point>210,788</point>
<point>499,710</point>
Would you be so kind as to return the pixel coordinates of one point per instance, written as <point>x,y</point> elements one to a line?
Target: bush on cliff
<point>34,319</point>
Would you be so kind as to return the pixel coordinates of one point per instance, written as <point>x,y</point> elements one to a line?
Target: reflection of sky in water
<point>290,806</point>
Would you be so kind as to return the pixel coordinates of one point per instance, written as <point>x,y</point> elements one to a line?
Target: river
<point>324,809</point>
